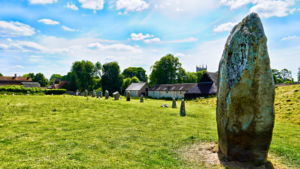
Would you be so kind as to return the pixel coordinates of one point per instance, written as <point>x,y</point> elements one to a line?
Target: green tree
<point>286,75</point>
<point>165,71</point>
<point>54,76</point>
<point>111,79</point>
<point>135,80</point>
<point>1,74</point>
<point>277,75</point>
<point>86,71</point>
<point>126,83</point>
<point>31,75</point>
<point>191,77</point>
<point>40,78</point>
<point>275,78</point>
<point>74,82</point>
<point>139,72</point>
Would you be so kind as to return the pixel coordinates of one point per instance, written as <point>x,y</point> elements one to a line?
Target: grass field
<point>73,132</point>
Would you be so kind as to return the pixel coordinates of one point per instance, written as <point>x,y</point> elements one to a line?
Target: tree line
<point>85,75</point>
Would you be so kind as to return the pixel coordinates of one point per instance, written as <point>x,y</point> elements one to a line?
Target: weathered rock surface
<point>128,96</point>
<point>99,94</point>
<point>245,111</point>
<point>86,93</point>
<point>174,103</point>
<point>116,95</point>
<point>182,108</point>
<point>142,99</point>
<point>106,94</point>
<point>94,93</point>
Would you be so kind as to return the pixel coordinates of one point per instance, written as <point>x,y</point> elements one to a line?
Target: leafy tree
<point>40,78</point>
<point>1,74</point>
<point>286,75</point>
<point>31,75</point>
<point>165,71</point>
<point>139,72</point>
<point>86,71</point>
<point>54,76</point>
<point>112,80</point>
<point>135,80</point>
<point>126,83</point>
<point>191,77</point>
<point>275,78</point>
<point>74,82</point>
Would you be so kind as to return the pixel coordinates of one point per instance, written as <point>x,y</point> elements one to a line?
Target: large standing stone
<point>182,108</point>
<point>86,93</point>
<point>99,94</point>
<point>142,99</point>
<point>174,103</point>
<point>94,93</point>
<point>128,96</point>
<point>106,94</point>
<point>116,95</point>
<point>245,111</point>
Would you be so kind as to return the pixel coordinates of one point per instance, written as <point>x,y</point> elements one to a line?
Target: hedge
<point>22,89</point>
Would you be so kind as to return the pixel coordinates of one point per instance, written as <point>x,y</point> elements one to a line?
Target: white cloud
<point>224,27</point>
<point>54,65</point>
<point>48,21</point>
<point>184,8</point>
<point>118,47</point>
<point>3,46</point>
<point>42,1</point>
<point>92,4</point>
<point>265,8</point>
<point>140,36</point>
<point>292,10</point>
<point>179,55</point>
<point>290,37</point>
<point>27,45</point>
<point>15,29</point>
<point>150,41</point>
<point>182,40</point>
<point>179,10</point>
<point>113,58</point>
<point>67,29</point>
<point>119,13</point>
<point>132,5</point>
<point>17,66</point>
<point>72,6</point>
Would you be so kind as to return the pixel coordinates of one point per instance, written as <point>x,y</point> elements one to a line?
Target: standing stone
<point>106,94</point>
<point>86,93</point>
<point>182,108</point>
<point>245,111</point>
<point>94,93</point>
<point>77,92</point>
<point>99,94</point>
<point>128,96</point>
<point>116,95</point>
<point>174,103</point>
<point>142,99</point>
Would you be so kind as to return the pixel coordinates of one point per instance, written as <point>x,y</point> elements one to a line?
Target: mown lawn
<point>102,133</point>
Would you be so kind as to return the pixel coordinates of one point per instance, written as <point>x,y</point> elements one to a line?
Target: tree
<point>86,71</point>
<point>40,78</point>
<point>127,82</point>
<point>286,75</point>
<point>165,71</point>
<point>31,75</point>
<point>139,72</point>
<point>1,74</point>
<point>54,76</point>
<point>135,80</point>
<point>275,78</point>
<point>111,79</point>
<point>74,82</point>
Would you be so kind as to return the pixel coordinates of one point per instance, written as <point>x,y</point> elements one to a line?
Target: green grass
<point>112,134</point>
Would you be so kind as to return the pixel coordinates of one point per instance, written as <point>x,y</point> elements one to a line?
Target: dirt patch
<point>207,154</point>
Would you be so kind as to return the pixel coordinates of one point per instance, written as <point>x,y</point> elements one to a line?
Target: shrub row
<point>22,89</point>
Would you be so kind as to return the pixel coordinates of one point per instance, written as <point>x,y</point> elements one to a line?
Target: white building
<point>138,89</point>
<point>170,90</point>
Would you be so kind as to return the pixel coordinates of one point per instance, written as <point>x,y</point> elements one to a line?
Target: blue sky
<point>47,36</point>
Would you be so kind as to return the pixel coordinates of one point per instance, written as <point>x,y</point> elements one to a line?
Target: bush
<point>22,90</point>
<point>55,91</point>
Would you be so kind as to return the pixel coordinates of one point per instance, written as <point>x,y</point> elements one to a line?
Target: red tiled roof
<point>12,78</point>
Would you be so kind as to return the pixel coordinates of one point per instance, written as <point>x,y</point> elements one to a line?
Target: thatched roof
<point>207,85</point>
<point>13,78</point>
<point>173,87</point>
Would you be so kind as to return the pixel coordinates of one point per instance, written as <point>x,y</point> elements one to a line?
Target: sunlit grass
<point>73,132</point>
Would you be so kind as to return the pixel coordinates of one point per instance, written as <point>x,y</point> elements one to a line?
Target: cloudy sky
<point>48,35</point>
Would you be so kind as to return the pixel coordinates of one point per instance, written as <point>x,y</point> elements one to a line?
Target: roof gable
<point>136,86</point>
<point>173,87</point>
<point>210,76</point>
